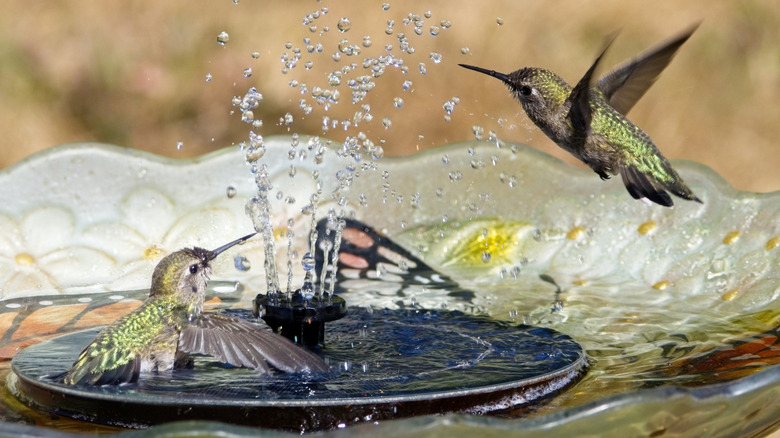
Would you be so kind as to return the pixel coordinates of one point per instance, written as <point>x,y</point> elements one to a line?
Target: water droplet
<point>446,24</point>
<point>434,30</point>
<point>247,72</point>
<point>255,54</point>
<point>387,123</point>
<point>423,69</point>
<point>407,85</point>
<point>385,6</point>
<point>435,57</point>
<point>230,192</point>
<point>344,25</point>
<point>242,263</point>
<point>465,51</point>
<point>478,132</point>
<point>308,262</point>
<point>398,102</point>
<point>179,145</point>
<point>208,77</point>
<point>499,21</point>
<point>223,38</point>
<point>367,41</point>
<point>485,257</point>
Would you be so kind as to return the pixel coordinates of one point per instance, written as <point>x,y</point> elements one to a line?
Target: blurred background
<point>135,73</point>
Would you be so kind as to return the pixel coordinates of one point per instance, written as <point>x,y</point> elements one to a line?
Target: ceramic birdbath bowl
<point>675,310</point>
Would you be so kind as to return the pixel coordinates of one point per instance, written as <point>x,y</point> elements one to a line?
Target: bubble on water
<point>344,25</point>
<point>398,102</point>
<point>435,57</point>
<point>427,14</point>
<point>387,123</point>
<point>208,77</point>
<point>287,119</point>
<point>423,69</point>
<point>247,72</point>
<point>385,6</point>
<point>367,41</point>
<point>434,30</point>
<point>242,263</point>
<point>500,21</point>
<point>223,38</point>
<point>445,24</point>
<point>230,192</point>
<point>247,116</point>
<point>255,54</point>
<point>465,51</point>
<point>407,85</point>
<point>179,145</point>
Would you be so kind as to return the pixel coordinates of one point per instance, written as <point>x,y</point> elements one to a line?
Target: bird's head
<point>540,91</point>
<point>185,273</point>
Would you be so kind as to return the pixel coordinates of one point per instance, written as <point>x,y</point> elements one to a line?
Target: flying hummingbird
<point>171,324</point>
<point>589,120</point>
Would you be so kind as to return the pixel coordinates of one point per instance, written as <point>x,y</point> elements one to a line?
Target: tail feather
<point>640,185</point>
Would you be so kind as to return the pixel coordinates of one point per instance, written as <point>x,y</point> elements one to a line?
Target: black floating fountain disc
<point>384,364</point>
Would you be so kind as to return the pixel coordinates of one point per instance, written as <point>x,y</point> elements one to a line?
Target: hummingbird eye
<point>525,90</point>
<point>194,269</point>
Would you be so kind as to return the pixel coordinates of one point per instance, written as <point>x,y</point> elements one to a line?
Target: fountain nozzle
<point>299,318</point>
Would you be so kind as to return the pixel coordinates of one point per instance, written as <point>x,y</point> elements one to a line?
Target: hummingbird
<point>171,324</point>
<point>589,120</point>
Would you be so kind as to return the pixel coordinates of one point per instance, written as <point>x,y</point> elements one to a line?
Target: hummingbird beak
<point>493,73</point>
<point>222,248</point>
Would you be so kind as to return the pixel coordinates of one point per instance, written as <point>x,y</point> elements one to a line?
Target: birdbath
<point>675,308</point>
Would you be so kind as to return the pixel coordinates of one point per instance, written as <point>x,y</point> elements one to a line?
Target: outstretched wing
<point>625,85</point>
<point>241,343</point>
<point>581,113</point>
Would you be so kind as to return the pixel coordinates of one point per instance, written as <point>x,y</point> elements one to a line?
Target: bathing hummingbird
<point>170,324</point>
<point>589,121</point>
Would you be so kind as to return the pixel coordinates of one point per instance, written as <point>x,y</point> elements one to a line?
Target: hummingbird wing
<point>580,97</point>
<point>102,365</point>
<point>118,353</point>
<point>625,85</point>
<point>241,343</point>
